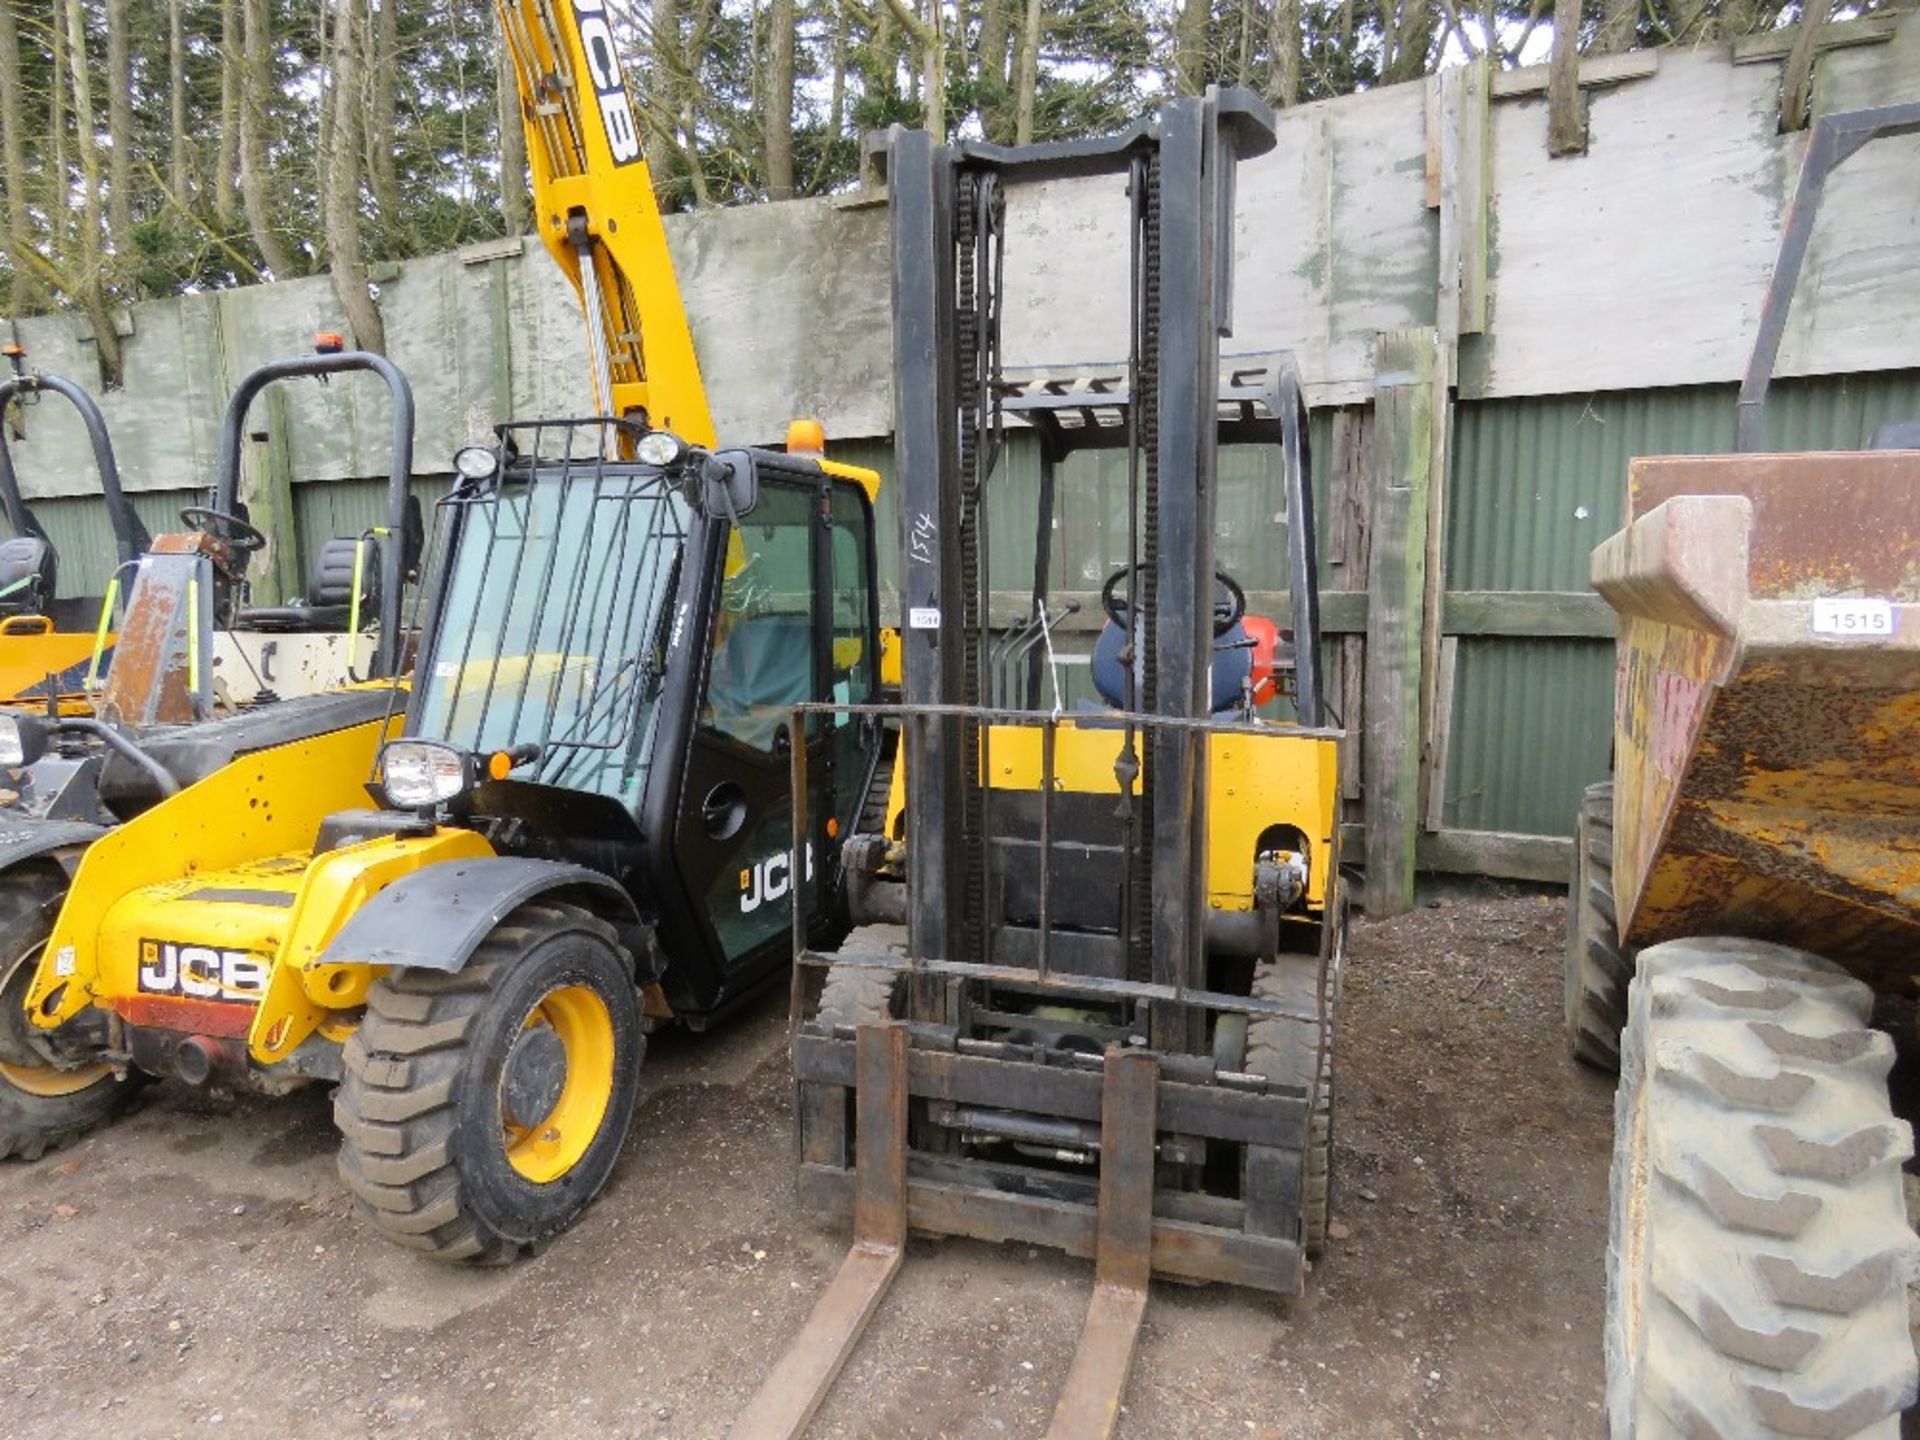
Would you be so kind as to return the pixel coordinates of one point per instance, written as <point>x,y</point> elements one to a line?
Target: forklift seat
<point>1254,649</point>
<point>328,604</point>
<point>26,575</point>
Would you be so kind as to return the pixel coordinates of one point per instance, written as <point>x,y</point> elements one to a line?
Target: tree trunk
<point>1190,46</point>
<point>344,260</point>
<point>1566,108</point>
<point>837,105</point>
<point>119,125</point>
<point>179,166</point>
<point>513,147</point>
<point>226,163</point>
<point>996,113</point>
<point>779,101</point>
<point>663,88</point>
<point>26,293</point>
<point>1619,20</point>
<point>1283,53</point>
<point>60,181</point>
<point>1796,86</point>
<point>383,81</point>
<point>1028,81</point>
<point>256,193</point>
<point>931,34</point>
<point>1412,25</point>
<point>90,281</point>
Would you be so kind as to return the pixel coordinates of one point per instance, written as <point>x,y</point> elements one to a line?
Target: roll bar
<point>226,493</point>
<point>129,535</point>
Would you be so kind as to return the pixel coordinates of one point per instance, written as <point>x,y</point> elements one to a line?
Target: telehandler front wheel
<point>482,1112</point>
<point>42,1106</point>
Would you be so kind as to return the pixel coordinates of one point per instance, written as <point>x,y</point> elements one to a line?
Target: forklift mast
<point>948,207</point>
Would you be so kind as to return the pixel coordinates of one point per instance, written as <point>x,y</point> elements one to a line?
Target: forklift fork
<point>1089,1404</point>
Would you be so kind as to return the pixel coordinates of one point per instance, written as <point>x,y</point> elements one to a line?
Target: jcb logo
<point>603,69</point>
<point>768,880</point>
<point>201,972</point>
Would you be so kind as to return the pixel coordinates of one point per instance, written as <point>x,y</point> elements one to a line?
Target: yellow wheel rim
<point>544,1149</point>
<point>42,1080</point>
<point>49,1083</point>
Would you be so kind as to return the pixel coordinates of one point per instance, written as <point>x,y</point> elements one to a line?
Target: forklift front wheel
<point>483,1111</point>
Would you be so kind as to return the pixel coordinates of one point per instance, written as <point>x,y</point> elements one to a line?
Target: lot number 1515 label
<point>1862,619</point>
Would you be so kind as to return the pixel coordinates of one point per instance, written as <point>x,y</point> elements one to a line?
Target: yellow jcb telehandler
<point>581,819</point>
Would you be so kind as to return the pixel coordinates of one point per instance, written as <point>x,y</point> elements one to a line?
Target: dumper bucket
<point>1768,701</point>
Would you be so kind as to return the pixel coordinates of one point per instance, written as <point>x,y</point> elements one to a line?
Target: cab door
<point>793,620</point>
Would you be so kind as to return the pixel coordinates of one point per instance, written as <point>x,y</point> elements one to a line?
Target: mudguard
<point>25,838</point>
<point>434,919</point>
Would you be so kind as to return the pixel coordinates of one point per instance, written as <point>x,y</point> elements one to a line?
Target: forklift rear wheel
<point>483,1111</point>
<point>1759,1255</point>
<point>42,1106</point>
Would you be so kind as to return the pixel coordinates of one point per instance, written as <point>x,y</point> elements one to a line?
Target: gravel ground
<point>196,1269</point>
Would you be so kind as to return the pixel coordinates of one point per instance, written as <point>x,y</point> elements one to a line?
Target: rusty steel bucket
<point>1767,774</point>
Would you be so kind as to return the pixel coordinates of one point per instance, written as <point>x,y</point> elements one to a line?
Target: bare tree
<point>928,33</point>
<point>89,285</point>
<point>13,163</point>
<point>1027,82</point>
<point>1190,46</point>
<point>1566,111</point>
<point>383,79</point>
<point>779,101</point>
<point>119,124</point>
<point>513,147</point>
<point>178,164</point>
<point>226,163</point>
<point>1796,85</point>
<point>59,178</point>
<point>256,183</point>
<point>1283,52</point>
<point>345,262</point>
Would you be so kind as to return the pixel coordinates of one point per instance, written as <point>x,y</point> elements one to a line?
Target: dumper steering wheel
<point>1226,612</point>
<point>228,528</point>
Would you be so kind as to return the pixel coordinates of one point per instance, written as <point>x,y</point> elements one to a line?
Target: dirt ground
<point>196,1269</point>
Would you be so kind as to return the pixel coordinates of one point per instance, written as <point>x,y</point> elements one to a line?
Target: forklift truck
<point>1089,1002</point>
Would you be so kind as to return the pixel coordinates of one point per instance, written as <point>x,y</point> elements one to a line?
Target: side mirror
<point>729,484</point>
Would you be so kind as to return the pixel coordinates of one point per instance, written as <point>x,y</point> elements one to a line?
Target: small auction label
<point>1853,618</point>
<point>923,617</point>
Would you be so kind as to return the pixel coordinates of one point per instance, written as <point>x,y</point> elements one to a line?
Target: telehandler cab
<point>1107,1022</point>
<point>583,817</point>
<point>54,649</point>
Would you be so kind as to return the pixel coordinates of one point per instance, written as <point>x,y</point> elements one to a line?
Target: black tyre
<point>483,1111</point>
<point>1760,1251</point>
<point>43,1106</point>
<point>1597,969</point>
<point>1290,1052</point>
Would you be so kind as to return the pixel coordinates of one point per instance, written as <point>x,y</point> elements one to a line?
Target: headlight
<point>660,447</point>
<point>23,740</point>
<point>476,462</point>
<point>418,773</point>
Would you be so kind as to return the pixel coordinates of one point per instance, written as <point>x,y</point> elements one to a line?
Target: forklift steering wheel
<point>222,526</point>
<point>1226,612</point>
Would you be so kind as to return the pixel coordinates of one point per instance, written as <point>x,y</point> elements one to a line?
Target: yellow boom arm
<point>594,205</point>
